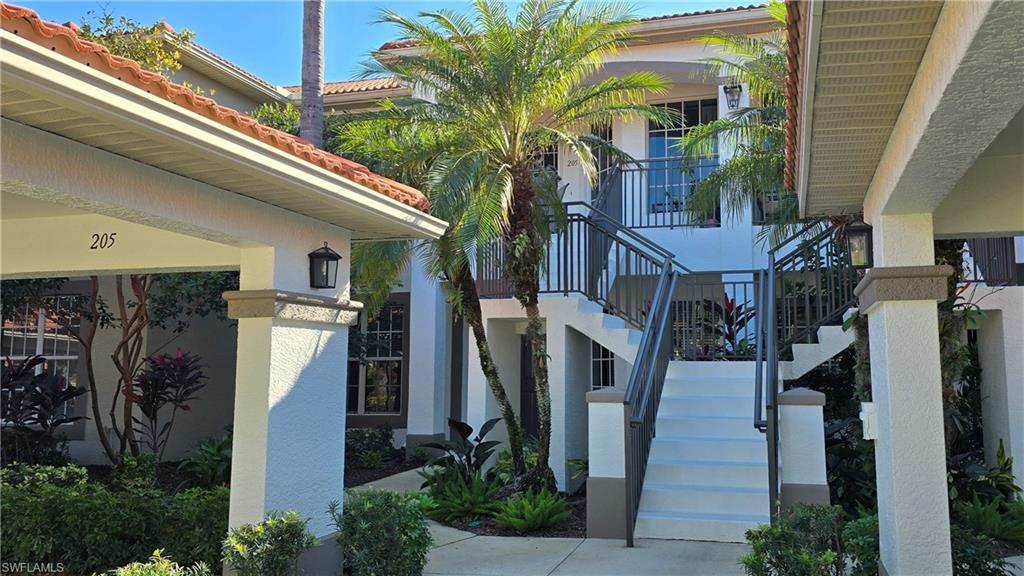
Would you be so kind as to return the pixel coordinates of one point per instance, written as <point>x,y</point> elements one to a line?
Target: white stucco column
<point>606,482</point>
<point>289,422</point>
<point>802,447</point>
<point>428,351</point>
<point>899,295</point>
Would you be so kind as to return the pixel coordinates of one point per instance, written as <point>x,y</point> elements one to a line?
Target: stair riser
<point>710,387</point>
<point>694,450</point>
<point>703,502</point>
<point>712,427</point>
<point>695,370</point>
<point>707,530</point>
<point>706,406</point>
<point>707,474</point>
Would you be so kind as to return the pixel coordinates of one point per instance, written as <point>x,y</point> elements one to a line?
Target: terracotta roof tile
<point>410,43</point>
<point>354,86</point>
<point>64,40</point>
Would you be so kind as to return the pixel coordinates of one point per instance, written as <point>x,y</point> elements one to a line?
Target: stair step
<point>710,527</point>
<point>712,386</point>
<point>687,370</point>
<point>703,499</point>
<point>710,426</point>
<point>738,474</point>
<point>706,405</point>
<point>702,447</point>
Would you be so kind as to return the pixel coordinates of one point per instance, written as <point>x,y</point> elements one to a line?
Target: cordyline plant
<point>165,381</point>
<point>507,88</point>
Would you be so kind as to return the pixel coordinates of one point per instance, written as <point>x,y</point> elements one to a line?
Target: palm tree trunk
<point>311,108</point>
<point>465,284</point>
<point>524,248</point>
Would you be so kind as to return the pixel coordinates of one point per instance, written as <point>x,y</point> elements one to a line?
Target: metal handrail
<point>643,393</point>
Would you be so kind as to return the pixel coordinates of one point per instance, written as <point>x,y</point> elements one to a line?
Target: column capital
<point>895,283</point>
<point>291,306</point>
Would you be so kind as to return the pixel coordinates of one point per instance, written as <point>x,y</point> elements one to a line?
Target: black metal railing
<point>993,262</point>
<point>714,316</point>
<point>654,193</point>
<point>592,255</point>
<point>808,284</point>
<point>643,393</point>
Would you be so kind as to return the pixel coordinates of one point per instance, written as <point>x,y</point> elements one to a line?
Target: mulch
<point>575,526</point>
<point>356,474</point>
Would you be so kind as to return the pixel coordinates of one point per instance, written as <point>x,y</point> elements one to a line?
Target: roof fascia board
<point>806,111</point>
<point>63,80</point>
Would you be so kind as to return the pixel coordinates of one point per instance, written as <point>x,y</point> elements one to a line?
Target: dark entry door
<point>527,392</point>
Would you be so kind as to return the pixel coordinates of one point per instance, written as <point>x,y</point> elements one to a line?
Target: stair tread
<point>704,488</point>
<point>705,418</point>
<point>755,518</point>
<point>699,462</point>
<point>708,396</point>
<point>712,439</point>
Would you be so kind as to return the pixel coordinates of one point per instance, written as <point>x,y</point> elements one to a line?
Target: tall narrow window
<point>602,366</point>
<point>376,363</point>
<point>667,183</point>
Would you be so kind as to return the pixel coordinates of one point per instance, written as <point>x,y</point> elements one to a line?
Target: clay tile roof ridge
<point>100,59</point>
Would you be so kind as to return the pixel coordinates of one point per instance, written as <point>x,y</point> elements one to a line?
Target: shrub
<point>973,553</point>
<point>209,464</point>
<point>36,475</point>
<point>990,520</point>
<point>463,456</point>
<point>270,548</point>
<point>360,440</point>
<point>160,565</point>
<point>371,459</point>
<point>382,533</point>
<point>91,528</point>
<point>454,497</point>
<point>504,469</point>
<point>166,381</point>
<point>532,511</point>
<point>135,472</point>
<point>804,542</point>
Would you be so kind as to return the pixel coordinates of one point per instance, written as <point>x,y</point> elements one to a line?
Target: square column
<point>429,335</point>
<point>900,298</point>
<point>289,421</point>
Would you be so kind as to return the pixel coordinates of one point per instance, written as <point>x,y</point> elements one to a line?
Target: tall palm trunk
<point>311,108</point>
<point>465,284</point>
<point>524,247</point>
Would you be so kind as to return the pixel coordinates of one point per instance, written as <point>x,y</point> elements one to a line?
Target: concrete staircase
<point>707,476</point>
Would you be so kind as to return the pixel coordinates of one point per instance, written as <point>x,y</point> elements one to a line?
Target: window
<point>376,362</point>
<point>31,333</point>
<point>602,366</point>
<point>667,183</point>
<point>549,159</point>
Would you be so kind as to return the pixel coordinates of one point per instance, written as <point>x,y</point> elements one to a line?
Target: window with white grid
<point>375,381</point>
<point>602,366</point>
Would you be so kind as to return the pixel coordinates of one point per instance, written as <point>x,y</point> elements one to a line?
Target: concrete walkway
<point>458,553</point>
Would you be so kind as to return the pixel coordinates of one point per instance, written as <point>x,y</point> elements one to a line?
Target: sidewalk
<point>458,553</point>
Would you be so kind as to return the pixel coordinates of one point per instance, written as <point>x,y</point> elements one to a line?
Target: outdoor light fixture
<point>323,267</point>
<point>858,245</point>
<point>732,95</point>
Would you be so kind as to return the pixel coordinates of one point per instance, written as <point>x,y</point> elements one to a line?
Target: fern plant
<point>990,520</point>
<point>457,497</point>
<point>532,511</point>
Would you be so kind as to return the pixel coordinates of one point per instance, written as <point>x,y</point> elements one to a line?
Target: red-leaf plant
<point>166,379</point>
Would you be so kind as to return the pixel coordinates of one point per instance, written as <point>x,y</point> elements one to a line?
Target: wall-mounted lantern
<point>323,267</point>
<point>858,245</point>
<point>732,95</point>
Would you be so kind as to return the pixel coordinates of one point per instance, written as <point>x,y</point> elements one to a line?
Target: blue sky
<point>265,37</point>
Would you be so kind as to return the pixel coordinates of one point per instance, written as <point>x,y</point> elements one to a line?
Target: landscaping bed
<point>356,474</point>
<point>575,526</point>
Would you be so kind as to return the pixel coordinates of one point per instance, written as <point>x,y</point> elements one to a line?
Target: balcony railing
<point>654,193</point>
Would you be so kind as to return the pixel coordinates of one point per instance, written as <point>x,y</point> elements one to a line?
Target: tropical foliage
<point>532,511</point>
<point>382,533</point>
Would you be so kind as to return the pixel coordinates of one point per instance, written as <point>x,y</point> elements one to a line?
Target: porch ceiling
<point>867,57</point>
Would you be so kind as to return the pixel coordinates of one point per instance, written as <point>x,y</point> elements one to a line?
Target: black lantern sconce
<point>858,245</point>
<point>323,267</point>
<point>732,95</point>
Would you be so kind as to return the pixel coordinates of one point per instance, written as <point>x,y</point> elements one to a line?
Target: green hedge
<point>89,527</point>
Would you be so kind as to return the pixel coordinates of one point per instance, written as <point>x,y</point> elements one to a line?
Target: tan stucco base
<point>606,508</point>
<point>886,284</point>
<point>291,306</point>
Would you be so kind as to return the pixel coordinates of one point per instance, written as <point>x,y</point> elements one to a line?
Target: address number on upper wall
<point>103,241</point>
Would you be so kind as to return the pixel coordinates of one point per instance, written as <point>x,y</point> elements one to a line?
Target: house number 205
<point>103,241</point>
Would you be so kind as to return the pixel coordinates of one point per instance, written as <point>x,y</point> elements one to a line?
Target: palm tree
<point>509,87</point>
<point>757,132</point>
<point>311,124</point>
<point>389,142</point>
